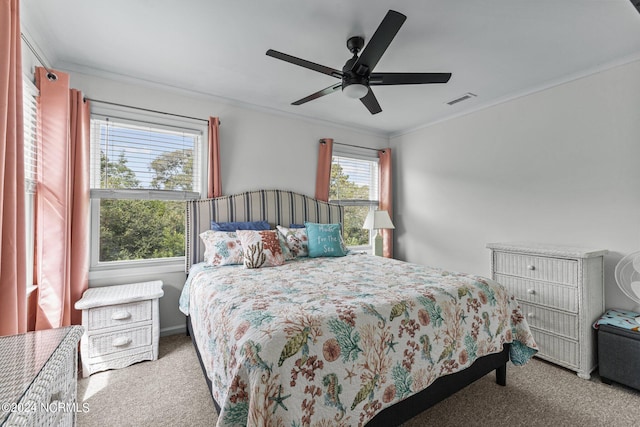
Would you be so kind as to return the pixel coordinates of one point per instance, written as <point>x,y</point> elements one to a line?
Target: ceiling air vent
<point>464,97</point>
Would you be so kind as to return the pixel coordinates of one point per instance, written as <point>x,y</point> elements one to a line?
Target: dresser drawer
<point>553,321</point>
<point>560,350</point>
<point>113,342</point>
<point>555,270</point>
<point>543,293</point>
<point>120,314</point>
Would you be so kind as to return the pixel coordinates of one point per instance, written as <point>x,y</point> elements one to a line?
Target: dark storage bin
<point>619,355</point>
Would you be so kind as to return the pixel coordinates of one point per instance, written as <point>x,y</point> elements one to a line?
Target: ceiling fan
<point>357,74</point>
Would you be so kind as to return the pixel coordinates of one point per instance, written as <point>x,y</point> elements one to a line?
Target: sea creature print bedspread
<point>333,341</point>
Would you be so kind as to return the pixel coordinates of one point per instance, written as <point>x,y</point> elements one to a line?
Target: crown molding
<point>548,85</point>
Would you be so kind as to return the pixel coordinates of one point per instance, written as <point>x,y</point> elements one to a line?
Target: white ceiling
<point>496,49</point>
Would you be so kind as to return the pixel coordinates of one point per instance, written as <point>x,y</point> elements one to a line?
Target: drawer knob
<point>531,291</point>
<point>531,267</point>
<point>531,315</point>
<point>121,341</point>
<point>55,397</point>
<point>121,315</point>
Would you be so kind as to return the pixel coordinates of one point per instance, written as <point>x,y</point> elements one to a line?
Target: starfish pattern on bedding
<point>391,344</point>
<point>350,374</point>
<point>279,399</point>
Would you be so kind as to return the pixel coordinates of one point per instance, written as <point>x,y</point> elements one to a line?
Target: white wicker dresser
<point>122,325</point>
<point>38,378</point>
<point>561,291</point>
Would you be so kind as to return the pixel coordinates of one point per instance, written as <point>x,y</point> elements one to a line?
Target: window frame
<point>365,154</point>
<point>30,122</point>
<point>129,115</point>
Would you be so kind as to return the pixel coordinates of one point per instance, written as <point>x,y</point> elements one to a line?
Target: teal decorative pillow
<point>325,240</point>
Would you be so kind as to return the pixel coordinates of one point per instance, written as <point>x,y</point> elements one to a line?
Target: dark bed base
<point>438,391</point>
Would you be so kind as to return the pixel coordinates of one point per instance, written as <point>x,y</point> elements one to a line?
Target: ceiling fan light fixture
<point>355,90</point>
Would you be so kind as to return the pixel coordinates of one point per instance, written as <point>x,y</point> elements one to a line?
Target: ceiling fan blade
<point>323,92</point>
<point>380,41</point>
<point>378,79</point>
<point>304,63</point>
<point>370,101</point>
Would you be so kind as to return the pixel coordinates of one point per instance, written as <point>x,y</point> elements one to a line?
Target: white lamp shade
<point>355,91</point>
<point>378,220</point>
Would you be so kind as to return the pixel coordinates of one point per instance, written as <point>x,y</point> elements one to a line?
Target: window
<point>142,170</point>
<point>30,115</point>
<point>354,184</point>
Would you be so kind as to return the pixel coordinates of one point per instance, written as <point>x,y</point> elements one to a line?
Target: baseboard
<point>173,330</point>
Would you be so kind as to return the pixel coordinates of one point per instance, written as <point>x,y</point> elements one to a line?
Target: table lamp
<point>377,220</point>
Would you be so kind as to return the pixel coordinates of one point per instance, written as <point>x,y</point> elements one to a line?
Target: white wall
<point>559,166</point>
<point>258,150</point>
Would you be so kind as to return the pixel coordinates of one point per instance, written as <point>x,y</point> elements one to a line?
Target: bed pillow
<point>325,240</point>
<point>222,248</point>
<point>261,248</point>
<point>296,225</point>
<point>286,252</point>
<point>240,225</point>
<point>296,239</point>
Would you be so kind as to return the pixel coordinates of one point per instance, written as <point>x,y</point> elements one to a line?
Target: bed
<point>337,341</point>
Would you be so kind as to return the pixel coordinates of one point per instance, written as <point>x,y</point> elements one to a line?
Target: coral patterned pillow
<point>286,252</point>
<point>261,248</point>
<point>296,240</point>
<point>222,248</point>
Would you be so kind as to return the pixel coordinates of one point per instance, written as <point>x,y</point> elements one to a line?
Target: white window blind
<point>143,164</point>
<point>30,117</point>
<point>355,181</point>
<point>139,160</point>
<point>354,185</point>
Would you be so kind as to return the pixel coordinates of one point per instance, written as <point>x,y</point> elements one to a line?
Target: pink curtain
<point>386,198</point>
<point>323,173</point>
<point>62,201</point>
<point>13,265</point>
<point>213,165</point>
<point>78,261</point>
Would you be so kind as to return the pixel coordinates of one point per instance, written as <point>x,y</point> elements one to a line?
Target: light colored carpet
<point>172,392</point>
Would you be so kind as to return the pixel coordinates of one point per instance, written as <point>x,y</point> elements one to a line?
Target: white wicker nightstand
<point>122,325</point>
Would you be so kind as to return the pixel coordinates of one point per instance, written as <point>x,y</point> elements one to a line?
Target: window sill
<point>132,269</point>
<point>367,249</point>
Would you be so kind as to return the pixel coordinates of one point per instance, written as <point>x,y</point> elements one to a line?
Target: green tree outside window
<point>341,187</point>
<point>144,229</point>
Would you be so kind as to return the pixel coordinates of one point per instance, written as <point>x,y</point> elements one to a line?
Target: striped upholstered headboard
<point>278,207</point>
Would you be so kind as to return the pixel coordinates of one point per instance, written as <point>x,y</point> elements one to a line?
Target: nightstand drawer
<point>548,294</point>
<point>555,270</point>
<point>113,342</point>
<point>120,314</point>
<point>551,320</point>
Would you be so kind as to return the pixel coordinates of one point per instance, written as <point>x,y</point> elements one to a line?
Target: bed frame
<point>280,207</point>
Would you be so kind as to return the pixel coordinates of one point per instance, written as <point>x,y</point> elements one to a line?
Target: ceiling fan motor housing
<point>358,76</point>
<point>355,44</point>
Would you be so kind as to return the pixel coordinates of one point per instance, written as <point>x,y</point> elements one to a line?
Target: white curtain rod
<point>355,146</point>
<point>50,74</point>
<point>147,109</point>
